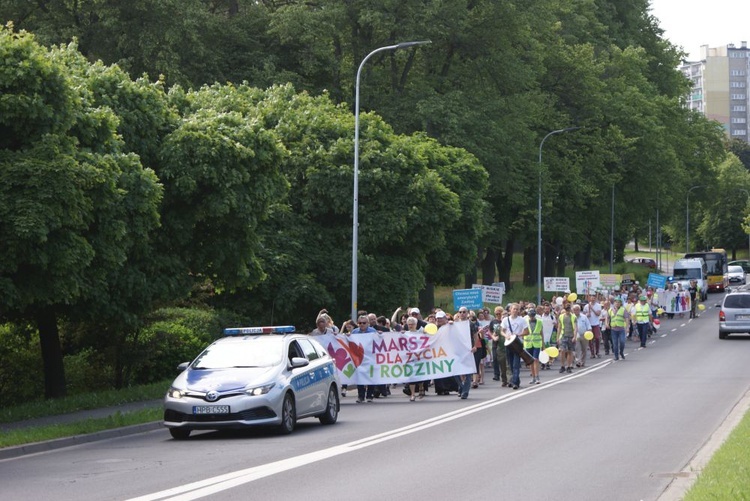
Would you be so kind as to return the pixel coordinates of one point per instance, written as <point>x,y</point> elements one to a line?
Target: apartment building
<point>721,81</point>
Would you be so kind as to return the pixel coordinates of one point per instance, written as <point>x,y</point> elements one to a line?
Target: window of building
<point>739,132</point>
<point>737,85</point>
<point>739,107</point>
<point>740,97</point>
<point>739,120</point>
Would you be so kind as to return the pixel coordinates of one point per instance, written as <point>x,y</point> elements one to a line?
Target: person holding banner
<point>465,380</point>
<point>322,326</point>
<point>418,388</point>
<point>443,386</point>
<point>514,327</point>
<point>363,326</point>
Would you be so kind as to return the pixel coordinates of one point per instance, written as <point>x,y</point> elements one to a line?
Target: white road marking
<point>227,481</point>
<point>663,335</point>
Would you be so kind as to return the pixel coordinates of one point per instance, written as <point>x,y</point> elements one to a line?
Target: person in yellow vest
<point>618,318</point>
<point>643,319</point>
<point>629,306</point>
<point>567,335</point>
<point>533,342</point>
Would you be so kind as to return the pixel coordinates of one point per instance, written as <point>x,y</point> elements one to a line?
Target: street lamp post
<point>355,210</point>
<point>612,234</point>
<point>539,217</point>
<point>687,218</point>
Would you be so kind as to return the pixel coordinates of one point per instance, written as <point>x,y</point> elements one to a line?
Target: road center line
<point>227,481</point>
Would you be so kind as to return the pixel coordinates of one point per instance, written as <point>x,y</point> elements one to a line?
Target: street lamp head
<point>571,128</point>
<point>406,45</point>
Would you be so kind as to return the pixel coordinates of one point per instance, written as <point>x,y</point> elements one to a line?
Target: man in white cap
<point>443,386</point>
<point>414,312</point>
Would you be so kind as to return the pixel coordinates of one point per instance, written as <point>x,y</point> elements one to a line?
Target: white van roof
<point>689,262</point>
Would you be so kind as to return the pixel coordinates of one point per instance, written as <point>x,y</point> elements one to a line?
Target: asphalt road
<point>616,430</point>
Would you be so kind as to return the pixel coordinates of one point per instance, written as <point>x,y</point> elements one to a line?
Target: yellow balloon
<point>660,311</point>
<point>552,351</point>
<point>701,306</point>
<point>588,335</point>
<point>430,329</point>
<point>572,297</point>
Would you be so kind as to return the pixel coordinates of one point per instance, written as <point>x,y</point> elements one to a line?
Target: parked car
<point>744,263</point>
<point>254,376</point>
<point>644,261</point>
<point>735,275</point>
<point>734,315</point>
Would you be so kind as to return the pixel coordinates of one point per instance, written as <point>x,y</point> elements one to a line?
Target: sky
<point>690,24</point>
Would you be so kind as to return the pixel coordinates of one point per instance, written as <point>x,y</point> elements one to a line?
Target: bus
<point>716,265</point>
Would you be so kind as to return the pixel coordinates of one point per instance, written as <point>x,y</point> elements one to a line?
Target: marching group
<point>575,329</point>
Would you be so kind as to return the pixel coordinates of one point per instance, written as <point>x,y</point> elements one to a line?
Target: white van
<point>689,269</point>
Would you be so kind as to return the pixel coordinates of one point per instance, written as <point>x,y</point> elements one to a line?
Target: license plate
<point>742,317</point>
<point>211,409</point>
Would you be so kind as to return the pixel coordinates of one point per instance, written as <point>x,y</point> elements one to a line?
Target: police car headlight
<point>175,392</point>
<point>259,390</point>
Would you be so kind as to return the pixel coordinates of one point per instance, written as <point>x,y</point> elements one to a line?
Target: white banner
<point>491,294</point>
<point>556,284</point>
<point>675,302</point>
<point>587,282</point>
<point>401,357</point>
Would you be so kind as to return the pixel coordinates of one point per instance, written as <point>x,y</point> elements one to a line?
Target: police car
<point>254,376</point>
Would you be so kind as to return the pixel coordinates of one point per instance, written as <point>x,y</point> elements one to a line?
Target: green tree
<point>73,206</point>
<point>724,216</point>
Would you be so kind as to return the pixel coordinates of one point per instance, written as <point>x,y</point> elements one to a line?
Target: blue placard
<point>469,298</point>
<point>656,281</point>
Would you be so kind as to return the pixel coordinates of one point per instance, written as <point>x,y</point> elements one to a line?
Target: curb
<point>49,445</point>
<point>685,479</point>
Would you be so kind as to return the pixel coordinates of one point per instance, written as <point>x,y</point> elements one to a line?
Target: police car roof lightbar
<point>273,329</point>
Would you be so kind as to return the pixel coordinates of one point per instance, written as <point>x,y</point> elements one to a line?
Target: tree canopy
<point>152,149</point>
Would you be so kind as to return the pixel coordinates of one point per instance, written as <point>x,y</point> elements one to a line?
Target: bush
<point>21,373</point>
<point>172,336</point>
<point>87,371</point>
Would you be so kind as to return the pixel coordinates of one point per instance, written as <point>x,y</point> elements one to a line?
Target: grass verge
<point>117,420</point>
<point>727,474</point>
<point>84,401</point>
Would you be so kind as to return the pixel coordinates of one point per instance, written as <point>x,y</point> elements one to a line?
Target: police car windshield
<point>251,351</point>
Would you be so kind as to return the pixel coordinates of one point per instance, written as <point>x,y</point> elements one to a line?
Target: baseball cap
<point>642,298</point>
<point>414,310</point>
<point>440,314</point>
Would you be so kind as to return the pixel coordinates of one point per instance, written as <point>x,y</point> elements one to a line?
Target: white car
<point>736,275</point>
<point>254,376</point>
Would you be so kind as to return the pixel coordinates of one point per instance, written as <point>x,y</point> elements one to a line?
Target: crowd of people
<point>578,329</point>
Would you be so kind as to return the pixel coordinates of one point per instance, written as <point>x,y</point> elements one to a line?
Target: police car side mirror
<point>298,362</point>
